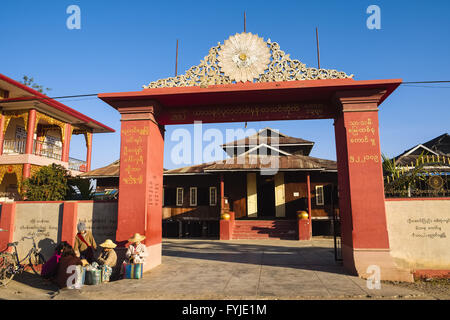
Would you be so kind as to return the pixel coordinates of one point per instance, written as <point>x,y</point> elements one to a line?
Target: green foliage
<point>80,189</point>
<point>30,83</point>
<point>48,184</point>
<point>401,179</point>
<point>389,166</point>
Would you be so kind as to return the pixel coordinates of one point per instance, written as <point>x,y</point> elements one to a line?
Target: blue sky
<point>123,45</point>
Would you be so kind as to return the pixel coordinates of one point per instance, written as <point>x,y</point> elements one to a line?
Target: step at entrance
<point>265,229</point>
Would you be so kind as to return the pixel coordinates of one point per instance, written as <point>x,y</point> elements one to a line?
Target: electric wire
<point>406,84</point>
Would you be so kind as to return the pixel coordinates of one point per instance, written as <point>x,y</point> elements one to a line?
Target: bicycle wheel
<point>7,267</point>
<point>37,260</point>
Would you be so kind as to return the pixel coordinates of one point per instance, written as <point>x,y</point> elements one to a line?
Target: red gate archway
<point>352,104</point>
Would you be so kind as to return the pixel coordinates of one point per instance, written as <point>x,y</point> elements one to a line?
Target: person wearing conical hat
<point>108,257</point>
<point>137,251</point>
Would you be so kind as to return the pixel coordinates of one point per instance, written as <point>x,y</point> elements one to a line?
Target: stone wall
<point>55,221</point>
<point>419,233</point>
<point>100,218</point>
<point>45,219</point>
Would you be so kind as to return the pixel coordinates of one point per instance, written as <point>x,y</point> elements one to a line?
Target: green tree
<point>80,189</point>
<point>389,166</point>
<point>402,179</point>
<point>50,183</point>
<point>30,83</point>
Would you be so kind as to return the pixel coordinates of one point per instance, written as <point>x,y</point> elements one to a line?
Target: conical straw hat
<point>108,244</point>
<point>137,237</point>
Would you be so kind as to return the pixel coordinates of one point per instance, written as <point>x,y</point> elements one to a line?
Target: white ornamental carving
<point>244,57</point>
<point>239,59</point>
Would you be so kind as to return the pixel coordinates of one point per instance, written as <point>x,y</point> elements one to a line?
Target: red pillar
<point>365,239</point>
<point>40,138</point>
<point>222,194</point>
<point>69,222</point>
<point>30,141</point>
<point>66,144</point>
<point>141,179</point>
<point>89,151</point>
<point>2,134</point>
<point>226,227</point>
<point>304,225</point>
<point>308,187</point>
<point>304,229</point>
<point>30,131</point>
<point>7,219</point>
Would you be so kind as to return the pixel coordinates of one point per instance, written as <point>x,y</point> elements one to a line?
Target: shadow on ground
<point>290,254</point>
<point>235,269</point>
<point>35,281</point>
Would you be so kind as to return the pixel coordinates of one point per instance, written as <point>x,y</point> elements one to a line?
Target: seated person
<point>68,259</point>
<point>137,251</point>
<point>108,258</point>
<point>84,244</point>
<point>49,268</point>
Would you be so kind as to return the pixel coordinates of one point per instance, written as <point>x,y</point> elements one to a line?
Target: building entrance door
<point>266,196</point>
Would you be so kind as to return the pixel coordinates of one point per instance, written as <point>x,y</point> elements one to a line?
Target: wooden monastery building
<point>264,181</point>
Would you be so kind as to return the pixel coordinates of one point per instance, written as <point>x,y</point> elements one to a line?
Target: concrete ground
<point>236,269</point>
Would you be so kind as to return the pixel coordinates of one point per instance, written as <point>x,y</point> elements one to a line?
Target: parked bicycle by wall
<point>11,264</point>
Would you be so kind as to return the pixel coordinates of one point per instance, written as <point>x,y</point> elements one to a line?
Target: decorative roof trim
<point>232,146</point>
<point>236,61</point>
<point>272,130</point>
<point>415,148</point>
<point>259,146</point>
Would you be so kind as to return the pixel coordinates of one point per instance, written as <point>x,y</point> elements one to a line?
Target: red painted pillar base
<point>141,180</point>
<point>433,274</point>
<point>304,229</point>
<point>226,227</point>
<point>69,223</point>
<point>7,218</point>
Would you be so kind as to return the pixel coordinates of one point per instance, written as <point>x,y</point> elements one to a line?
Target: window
<point>53,141</point>
<point>193,196</point>
<point>21,134</point>
<point>212,196</point>
<point>170,197</point>
<point>179,197</point>
<point>4,94</point>
<point>203,196</point>
<point>319,196</point>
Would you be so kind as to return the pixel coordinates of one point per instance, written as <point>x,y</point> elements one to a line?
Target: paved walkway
<point>236,269</point>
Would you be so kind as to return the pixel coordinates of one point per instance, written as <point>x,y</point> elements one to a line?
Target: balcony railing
<point>14,146</point>
<point>43,149</point>
<point>77,165</point>
<point>48,150</point>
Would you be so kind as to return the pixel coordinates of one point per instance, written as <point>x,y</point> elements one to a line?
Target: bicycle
<point>10,264</point>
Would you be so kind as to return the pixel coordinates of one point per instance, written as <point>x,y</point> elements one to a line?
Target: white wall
<point>419,233</point>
